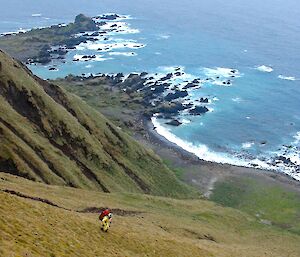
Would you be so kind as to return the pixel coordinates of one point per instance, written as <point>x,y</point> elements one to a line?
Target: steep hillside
<point>49,135</point>
<point>142,225</point>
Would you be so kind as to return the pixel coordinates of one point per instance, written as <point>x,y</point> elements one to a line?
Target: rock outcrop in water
<point>84,23</point>
<point>175,123</point>
<point>198,110</point>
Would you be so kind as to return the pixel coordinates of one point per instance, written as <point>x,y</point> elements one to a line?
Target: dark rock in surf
<point>285,160</point>
<point>110,17</point>
<point>178,73</point>
<point>158,89</point>
<point>143,74</point>
<point>167,77</point>
<point>198,110</point>
<point>175,123</point>
<point>190,85</point>
<point>203,100</point>
<point>176,95</point>
<point>171,109</point>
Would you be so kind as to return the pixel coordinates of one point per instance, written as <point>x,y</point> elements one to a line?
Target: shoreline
<point>133,115</point>
<point>204,174</point>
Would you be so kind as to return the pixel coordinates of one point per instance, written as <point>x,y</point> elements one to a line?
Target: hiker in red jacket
<point>104,213</point>
<point>105,218</point>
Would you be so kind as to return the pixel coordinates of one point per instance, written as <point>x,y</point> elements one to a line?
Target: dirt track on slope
<point>98,210</point>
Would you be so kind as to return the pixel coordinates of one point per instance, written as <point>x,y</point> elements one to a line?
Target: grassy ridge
<point>52,136</point>
<point>160,227</point>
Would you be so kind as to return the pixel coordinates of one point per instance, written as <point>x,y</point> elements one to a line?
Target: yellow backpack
<point>105,223</point>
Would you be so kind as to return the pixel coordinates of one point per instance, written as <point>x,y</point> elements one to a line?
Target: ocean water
<point>254,121</point>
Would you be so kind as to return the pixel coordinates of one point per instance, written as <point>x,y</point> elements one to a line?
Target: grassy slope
<point>113,103</point>
<point>52,136</point>
<point>37,229</point>
<point>268,202</point>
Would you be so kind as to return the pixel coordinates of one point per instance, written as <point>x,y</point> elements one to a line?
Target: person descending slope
<point>105,218</point>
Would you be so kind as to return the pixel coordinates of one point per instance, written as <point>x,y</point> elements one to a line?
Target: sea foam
<point>119,28</point>
<point>201,151</point>
<point>221,72</point>
<point>106,47</point>
<point>237,99</point>
<point>164,36</point>
<point>297,138</point>
<point>247,145</point>
<point>290,78</point>
<point>264,68</point>
<point>128,54</point>
<point>98,58</point>
<point>204,153</point>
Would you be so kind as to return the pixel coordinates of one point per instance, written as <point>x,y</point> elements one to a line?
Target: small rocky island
<point>41,45</point>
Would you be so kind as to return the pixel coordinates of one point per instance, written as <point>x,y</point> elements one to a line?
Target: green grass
<point>179,172</point>
<point>162,227</point>
<point>269,203</point>
<point>114,104</point>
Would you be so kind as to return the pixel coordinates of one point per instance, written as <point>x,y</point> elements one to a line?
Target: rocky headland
<point>42,45</point>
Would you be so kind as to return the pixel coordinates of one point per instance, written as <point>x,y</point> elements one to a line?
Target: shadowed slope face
<point>51,136</point>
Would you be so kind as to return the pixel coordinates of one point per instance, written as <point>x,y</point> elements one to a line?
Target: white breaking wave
<point>203,152</point>
<point>264,68</point>
<point>200,151</point>
<point>176,79</point>
<point>247,145</point>
<point>164,36</point>
<point>287,78</point>
<point>170,69</point>
<point>297,138</point>
<point>106,47</point>
<point>98,58</point>
<point>237,99</point>
<point>36,15</point>
<point>20,30</point>
<point>118,27</point>
<point>123,54</point>
<point>185,121</point>
<point>291,154</point>
<point>221,76</point>
<point>218,83</point>
<point>221,72</point>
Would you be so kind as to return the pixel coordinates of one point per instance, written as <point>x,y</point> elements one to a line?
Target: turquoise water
<point>252,121</point>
